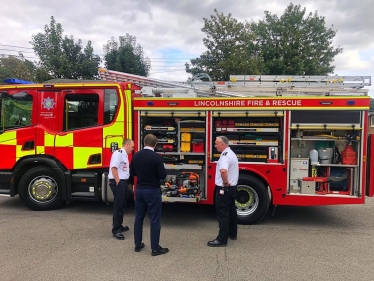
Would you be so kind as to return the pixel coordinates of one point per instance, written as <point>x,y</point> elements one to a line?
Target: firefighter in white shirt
<point>227,174</point>
<point>119,172</point>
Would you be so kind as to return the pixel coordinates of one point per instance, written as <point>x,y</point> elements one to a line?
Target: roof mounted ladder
<point>249,85</point>
<point>270,85</point>
<point>141,81</point>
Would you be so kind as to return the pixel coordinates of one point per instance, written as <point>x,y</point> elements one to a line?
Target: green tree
<point>17,67</point>
<point>4,73</point>
<point>295,43</point>
<point>62,57</point>
<point>230,49</point>
<point>41,74</point>
<point>371,104</point>
<point>20,68</point>
<point>126,56</point>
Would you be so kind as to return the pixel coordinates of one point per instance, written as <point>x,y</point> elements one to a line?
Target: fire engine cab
<point>300,140</point>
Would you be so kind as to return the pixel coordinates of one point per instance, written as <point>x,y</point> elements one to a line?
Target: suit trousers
<point>119,204</point>
<point>148,200</point>
<point>226,212</point>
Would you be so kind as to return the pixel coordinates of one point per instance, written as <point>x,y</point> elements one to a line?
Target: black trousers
<point>119,204</point>
<point>226,213</point>
<point>148,200</point>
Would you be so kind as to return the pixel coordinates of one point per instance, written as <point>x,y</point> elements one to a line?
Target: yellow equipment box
<point>186,142</point>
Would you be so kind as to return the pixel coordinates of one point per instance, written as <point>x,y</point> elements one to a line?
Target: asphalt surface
<point>75,243</point>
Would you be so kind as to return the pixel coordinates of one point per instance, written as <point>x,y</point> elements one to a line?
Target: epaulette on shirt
<point>225,153</point>
<point>119,150</point>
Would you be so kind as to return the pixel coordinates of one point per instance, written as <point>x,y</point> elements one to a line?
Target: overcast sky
<point>169,31</point>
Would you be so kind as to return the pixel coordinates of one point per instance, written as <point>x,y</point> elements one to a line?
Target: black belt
<point>119,180</point>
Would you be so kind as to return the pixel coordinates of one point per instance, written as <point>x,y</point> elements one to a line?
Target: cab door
<point>48,120</point>
<point>114,123</point>
<point>17,129</point>
<point>79,144</point>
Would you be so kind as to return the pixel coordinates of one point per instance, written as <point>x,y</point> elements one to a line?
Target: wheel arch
<point>28,162</point>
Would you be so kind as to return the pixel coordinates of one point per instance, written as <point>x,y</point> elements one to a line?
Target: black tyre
<point>40,189</point>
<point>252,200</point>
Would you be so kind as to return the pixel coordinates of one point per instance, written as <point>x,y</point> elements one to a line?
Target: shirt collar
<point>226,149</point>
<point>148,147</point>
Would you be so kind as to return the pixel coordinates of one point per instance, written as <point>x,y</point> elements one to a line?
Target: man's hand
<point>115,174</point>
<point>225,177</point>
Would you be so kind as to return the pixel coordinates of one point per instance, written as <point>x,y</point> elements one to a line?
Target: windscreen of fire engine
<point>15,113</point>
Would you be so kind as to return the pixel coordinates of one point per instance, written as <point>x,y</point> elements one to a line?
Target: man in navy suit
<point>149,169</point>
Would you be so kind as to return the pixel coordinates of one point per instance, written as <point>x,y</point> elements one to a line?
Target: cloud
<point>164,25</point>
<point>351,60</point>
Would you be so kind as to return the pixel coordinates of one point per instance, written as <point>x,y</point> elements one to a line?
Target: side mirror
<point>22,96</point>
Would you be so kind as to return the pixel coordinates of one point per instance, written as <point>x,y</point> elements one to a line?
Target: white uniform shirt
<point>229,162</point>
<point>120,160</point>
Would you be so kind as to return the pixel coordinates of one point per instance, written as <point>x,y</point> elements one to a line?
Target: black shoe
<point>137,249</point>
<point>119,236</point>
<point>124,228</point>
<point>160,251</point>
<point>216,243</point>
<point>233,237</point>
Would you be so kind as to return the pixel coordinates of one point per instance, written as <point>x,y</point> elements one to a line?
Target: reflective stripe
<point>21,153</point>
<point>64,140</point>
<point>49,140</point>
<point>116,130</point>
<point>82,154</point>
<point>40,150</point>
<point>8,138</point>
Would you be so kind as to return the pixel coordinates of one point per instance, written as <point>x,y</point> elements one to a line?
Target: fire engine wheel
<point>39,189</point>
<point>252,200</point>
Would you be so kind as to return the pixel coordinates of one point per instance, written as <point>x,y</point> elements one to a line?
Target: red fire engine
<point>300,140</point>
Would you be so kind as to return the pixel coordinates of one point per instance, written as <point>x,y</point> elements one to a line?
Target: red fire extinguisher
<point>349,155</point>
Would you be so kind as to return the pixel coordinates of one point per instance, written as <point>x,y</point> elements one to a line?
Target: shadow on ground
<point>179,214</point>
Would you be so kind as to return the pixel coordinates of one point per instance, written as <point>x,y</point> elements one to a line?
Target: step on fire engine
<point>300,140</point>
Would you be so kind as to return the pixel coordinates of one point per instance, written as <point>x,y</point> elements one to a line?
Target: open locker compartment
<point>181,137</point>
<point>183,186</point>
<point>182,144</point>
<point>253,136</point>
<point>324,157</point>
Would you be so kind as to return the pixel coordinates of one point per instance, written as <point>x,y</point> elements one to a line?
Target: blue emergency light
<point>16,81</point>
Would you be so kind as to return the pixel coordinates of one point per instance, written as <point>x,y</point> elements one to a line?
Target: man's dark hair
<point>150,140</point>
